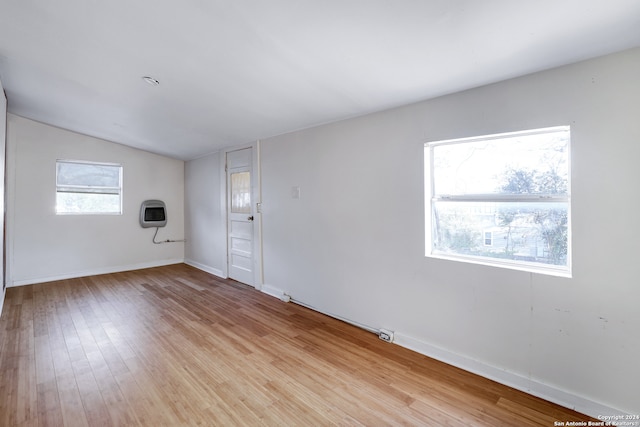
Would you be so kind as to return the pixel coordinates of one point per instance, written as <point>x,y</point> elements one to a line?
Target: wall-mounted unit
<point>153,213</point>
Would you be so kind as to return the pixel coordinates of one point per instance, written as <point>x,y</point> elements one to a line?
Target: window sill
<point>557,271</point>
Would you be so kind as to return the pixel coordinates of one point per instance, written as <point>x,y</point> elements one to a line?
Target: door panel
<point>242,228</point>
<point>241,262</point>
<point>241,245</point>
<point>240,216</point>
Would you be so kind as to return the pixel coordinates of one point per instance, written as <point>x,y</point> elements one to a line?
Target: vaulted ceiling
<point>233,71</point>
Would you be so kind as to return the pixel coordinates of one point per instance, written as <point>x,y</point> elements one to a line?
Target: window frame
<point>108,190</point>
<point>431,198</point>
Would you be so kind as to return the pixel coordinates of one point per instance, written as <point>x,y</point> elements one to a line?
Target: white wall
<point>204,223</point>
<point>3,128</point>
<point>353,244</point>
<point>43,246</point>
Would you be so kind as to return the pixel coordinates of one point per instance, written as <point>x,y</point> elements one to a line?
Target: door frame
<point>256,202</point>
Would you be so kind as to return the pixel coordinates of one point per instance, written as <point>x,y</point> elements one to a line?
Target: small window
<point>88,188</point>
<point>501,200</point>
<point>488,238</point>
<point>241,192</point>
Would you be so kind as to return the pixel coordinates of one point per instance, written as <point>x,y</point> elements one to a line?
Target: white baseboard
<point>2,300</point>
<point>206,268</point>
<point>274,292</point>
<point>94,272</point>
<point>510,379</point>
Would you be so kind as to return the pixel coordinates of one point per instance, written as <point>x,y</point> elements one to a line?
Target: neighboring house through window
<point>88,187</point>
<point>501,200</point>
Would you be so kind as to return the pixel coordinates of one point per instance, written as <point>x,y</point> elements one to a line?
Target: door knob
<point>250,218</point>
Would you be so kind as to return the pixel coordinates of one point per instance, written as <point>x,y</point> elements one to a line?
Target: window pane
<point>88,188</point>
<point>532,232</point>
<point>87,203</point>
<point>87,174</point>
<point>521,164</point>
<point>241,192</point>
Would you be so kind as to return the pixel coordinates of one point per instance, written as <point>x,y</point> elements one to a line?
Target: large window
<point>501,200</point>
<point>88,188</point>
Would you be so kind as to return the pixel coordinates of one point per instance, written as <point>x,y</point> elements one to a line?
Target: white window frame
<point>92,189</point>
<point>431,199</point>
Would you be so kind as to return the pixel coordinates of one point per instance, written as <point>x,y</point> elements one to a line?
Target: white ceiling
<point>233,71</point>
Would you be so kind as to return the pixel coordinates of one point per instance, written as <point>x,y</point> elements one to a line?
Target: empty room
<point>320,213</point>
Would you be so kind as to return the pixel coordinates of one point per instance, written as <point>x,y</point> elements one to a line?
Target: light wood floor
<point>174,346</point>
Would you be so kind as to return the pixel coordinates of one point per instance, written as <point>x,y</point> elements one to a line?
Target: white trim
<point>502,376</point>
<point>274,292</point>
<point>223,210</point>
<point>4,294</point>
<point>94,272</point>
<point>529,267</point>
<point>552,129</point>
<point>510,379</point>
<point>258,261</point>
<point>206,268</point>
<point>284,296</point>
<point>256,199</point>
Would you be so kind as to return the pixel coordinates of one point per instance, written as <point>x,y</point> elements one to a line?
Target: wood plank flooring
<point>173,346</point>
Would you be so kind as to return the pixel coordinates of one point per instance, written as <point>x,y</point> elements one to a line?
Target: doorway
<point>241,215</point>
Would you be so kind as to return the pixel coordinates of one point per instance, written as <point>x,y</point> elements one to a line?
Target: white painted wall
<point>3,128</point>
<point>204,223</point>
<point>43,246</point>
<point>353,244</point>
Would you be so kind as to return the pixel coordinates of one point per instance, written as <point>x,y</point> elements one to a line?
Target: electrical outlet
<point>385,335</point>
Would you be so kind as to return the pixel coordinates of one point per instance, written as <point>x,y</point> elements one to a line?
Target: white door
<point>240,216</point>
